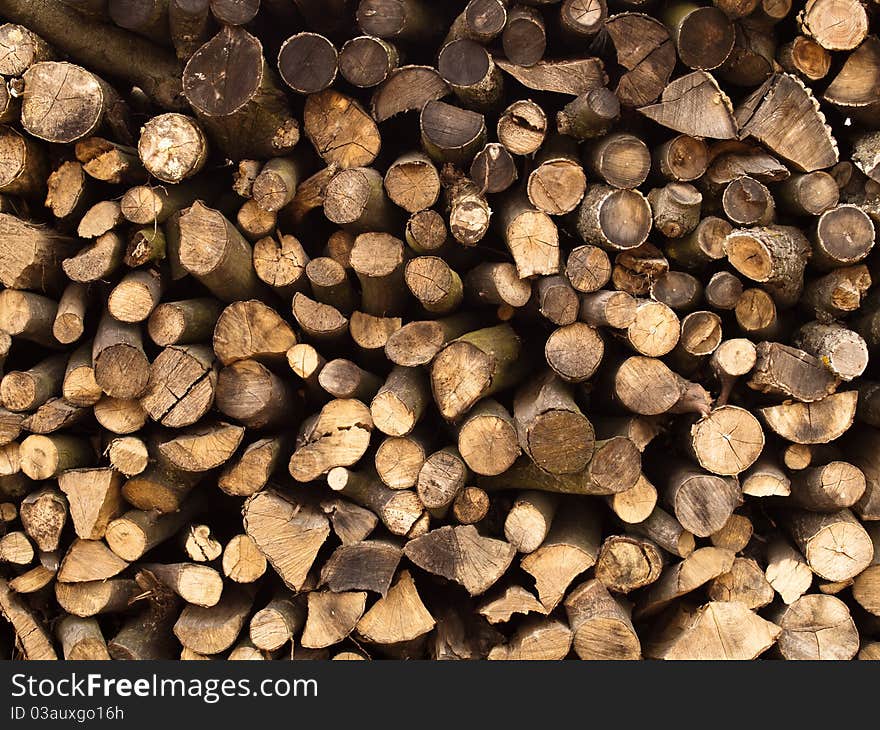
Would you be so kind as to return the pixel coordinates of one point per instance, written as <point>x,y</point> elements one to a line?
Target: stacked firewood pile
<point>421,329</point>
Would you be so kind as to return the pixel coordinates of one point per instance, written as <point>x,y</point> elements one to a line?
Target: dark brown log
<point>525,36</point>
<point>614,219</point>
<point>307,62</point>
<point>367,61</point>
<point>254,104</point>
<point>471,74</point>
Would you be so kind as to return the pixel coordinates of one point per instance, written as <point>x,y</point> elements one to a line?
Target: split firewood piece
<point>719,630</point>
<point>43,515</point>
<point>635,504</point>
<point>96,597</point>
<point>88,560</point>
<point>836,25</point>
<point>341,132</point>
<point>462,555</point>
<point>474,366</point>
<point>32,636</point>
<point>854,89</point>
<point>243,562</point>
<point>572,77</point>
<point>497,283</point>
<point>787,571</point>
<point>695,105</point>
<point>745,583</point>
<point>758,116</point>
<point>199,585</point>
<point>57,413</point>
<point>615,467</point>
<point>574,352</point>
<point>182,384</point>
<point>817,627</point>
<point>773,255</point>
<point>172,147</point>
<point>199,543</point>
<point>471,505</point>
<point>213,250</point>
<point>28,316</point>
<point>249,118</point>
<point>441,477</point>
<point>251,330</point>
<point>643,47</point>
<point>203,447</point>
<point>812,423</point>
<point>787,371</point>
<point>626,563</point>
<point>554,299</point>
<point>528,522</point>
<point>161,486</point>
<point>400,402</point>
<point>835,545</point>
<point>493,168</point>
<point>81,639</point>
<point>350,522</point>
<point>45,457</point>
<point>289,533</point>
<point>655,329</point>
<point>515,599</point>
<point>726,441</point>
<point>545,639</point>
<point>16,549</point>
<point>138,531</point>
<point>522,127</point>
<point>337,436</point>
<point>29,389</point>
<point>601,624</point>
<point>43,118</point>
<point>613,219</point>
<point>121,367</point>
<point>399,510</point>
<point>828,488</point>
<point>570,547</point>
<point>370,333</point>
<point>70,316</point>
<point>332,617</point>
<point>416,343</point>
<point>678,580</point>
<point>250,472</point>
<point>361,566</point>
<point>866,588</point>
<point>277,623</point>
<point>110,162</point>
<point>551,428</point>
<point>530,235</point>
<point>215,629</point>
<point>96,261</point>
<point>766,479</point>
<point>667,532</point>
<point>469,211</point>
<point>254,396</point>
<point>487,438</point>
<point>36,265</point>
<point>407,88</point>
<point>33,580</point>
<point>68,191</point>
<point>702,502</point>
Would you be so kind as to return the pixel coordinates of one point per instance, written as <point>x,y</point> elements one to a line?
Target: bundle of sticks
<point>460,330</point>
